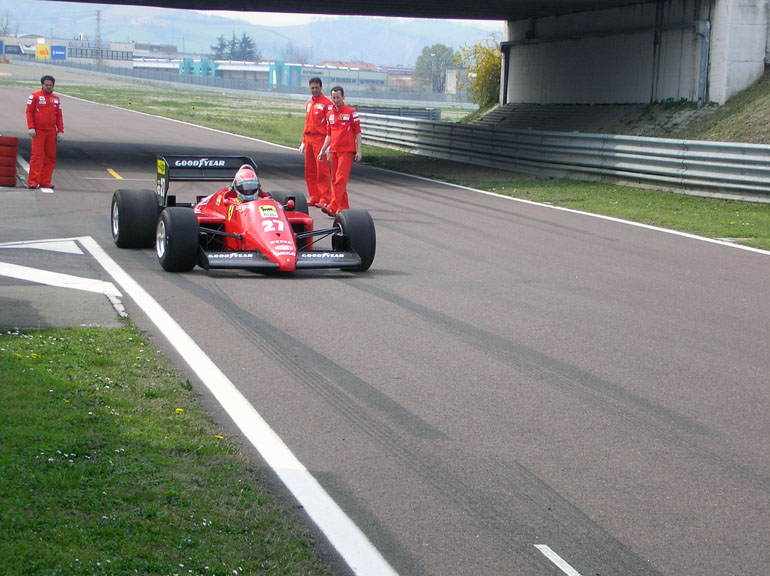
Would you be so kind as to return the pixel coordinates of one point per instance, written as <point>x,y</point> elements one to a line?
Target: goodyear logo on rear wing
<point>268,212</point>
<point>199,163</point>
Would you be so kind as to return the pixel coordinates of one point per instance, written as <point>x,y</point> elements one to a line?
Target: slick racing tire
<point>300,202</point>
<point>356,234</point>
<point>8,182</point>
<point>133,216</point>
<point>8,161</point>
<point>177,239</point>
<point>9,141</point>
<point>8,151</point>
<point>8,172</point>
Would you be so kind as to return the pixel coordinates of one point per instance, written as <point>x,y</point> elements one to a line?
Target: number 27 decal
<point>272,225</point>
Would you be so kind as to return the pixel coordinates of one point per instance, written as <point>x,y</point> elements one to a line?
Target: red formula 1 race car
<point>238,226</point>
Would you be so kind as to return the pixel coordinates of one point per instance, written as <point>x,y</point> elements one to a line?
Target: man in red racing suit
<point>343,140</point>
<point>45,127</point>
<point>319,184</point>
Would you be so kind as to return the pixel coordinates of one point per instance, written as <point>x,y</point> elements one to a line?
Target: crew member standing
<point>343,140</point>
<point>316,166</point>
<point>45,127</point>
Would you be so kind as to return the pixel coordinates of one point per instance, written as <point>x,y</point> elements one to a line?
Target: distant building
<point>164,60</point>
<point>80,50</point>
<point>367,77</point>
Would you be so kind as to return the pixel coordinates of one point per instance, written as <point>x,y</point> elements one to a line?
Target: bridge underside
<point>585,51</point>
<point>488,10</point>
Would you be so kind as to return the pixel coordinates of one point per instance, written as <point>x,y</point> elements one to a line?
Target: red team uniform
<point>343,125</point>
<point>316,171</point>
<point>45,117</point>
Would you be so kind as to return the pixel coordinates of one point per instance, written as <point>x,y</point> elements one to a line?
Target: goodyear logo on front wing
<point>268,212</point>
<point>161,167</point>
<point>320,255</point>
<point>230,256</point>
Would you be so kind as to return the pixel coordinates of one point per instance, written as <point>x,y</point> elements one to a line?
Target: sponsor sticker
<point>199,163</point>
<point>230,256</point>
<point>161,167</point>
<point>268,212</point>
<point>321,255</point>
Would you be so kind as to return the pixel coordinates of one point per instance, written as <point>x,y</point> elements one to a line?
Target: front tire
<point>133,215</point>
<point>177,239</point>
<point>356,235</point>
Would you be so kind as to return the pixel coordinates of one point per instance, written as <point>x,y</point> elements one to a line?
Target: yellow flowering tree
<point>483,63</point>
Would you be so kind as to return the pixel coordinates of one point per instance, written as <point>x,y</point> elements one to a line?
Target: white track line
<point>59,280</point>
<point>560,563</point>
<point>352,544</point>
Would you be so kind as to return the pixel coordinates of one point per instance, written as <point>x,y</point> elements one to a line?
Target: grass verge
<point>111,467</point>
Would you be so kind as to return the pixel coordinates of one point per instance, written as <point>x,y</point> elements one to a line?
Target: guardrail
<point>716,169</point>
<point>402,112</point>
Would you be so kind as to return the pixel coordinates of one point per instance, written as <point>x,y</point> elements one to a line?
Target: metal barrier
<point>715,169</point>
<point>404,112</point>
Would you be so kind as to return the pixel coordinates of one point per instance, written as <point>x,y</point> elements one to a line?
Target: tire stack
<point>9,149</point>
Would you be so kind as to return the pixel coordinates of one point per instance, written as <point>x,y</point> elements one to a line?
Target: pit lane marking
<point>59,280</point>
<point>114,174</point>
<point>63,245</point>
<point>346,537</point>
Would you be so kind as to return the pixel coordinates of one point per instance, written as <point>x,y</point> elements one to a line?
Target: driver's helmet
<point>246,183</point>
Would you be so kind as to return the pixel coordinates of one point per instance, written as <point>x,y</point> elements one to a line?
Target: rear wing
<point>196,168</point>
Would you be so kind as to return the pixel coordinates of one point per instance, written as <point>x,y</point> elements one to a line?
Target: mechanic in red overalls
<point>45,127</point>
<point>343,140</point>
<point>317,177</point>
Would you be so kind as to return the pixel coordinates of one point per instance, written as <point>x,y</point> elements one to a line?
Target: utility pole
<point>98,36</point>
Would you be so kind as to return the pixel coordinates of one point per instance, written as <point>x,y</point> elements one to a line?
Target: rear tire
<point>177,239</point>
<point>357,235</point>
<point>133,216</point>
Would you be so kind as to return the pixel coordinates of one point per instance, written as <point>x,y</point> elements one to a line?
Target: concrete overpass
<point>587,51</point>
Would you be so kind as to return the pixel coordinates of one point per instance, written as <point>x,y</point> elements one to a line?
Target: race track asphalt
<point>507,379</point>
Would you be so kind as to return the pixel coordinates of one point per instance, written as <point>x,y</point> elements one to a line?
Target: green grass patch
<point>110,466</point>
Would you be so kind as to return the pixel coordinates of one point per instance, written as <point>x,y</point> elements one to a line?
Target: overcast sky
<point>283,19</point>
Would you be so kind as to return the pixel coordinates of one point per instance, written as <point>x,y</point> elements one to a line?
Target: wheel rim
<point>115,220</point>
<point>160,239</point>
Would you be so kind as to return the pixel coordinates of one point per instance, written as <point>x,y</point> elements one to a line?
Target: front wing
<point>258,261</point>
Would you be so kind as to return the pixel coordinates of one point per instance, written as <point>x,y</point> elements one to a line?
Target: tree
<point>296,54</point>
<point>221,49</point>
<point>431,66</point>
<point>246,49</point>
<point>242,48</point>
<point>483,62</point>
<point>7,27</point>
